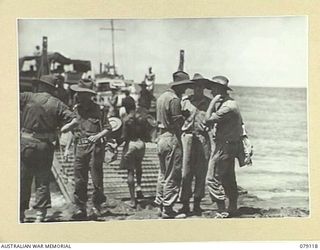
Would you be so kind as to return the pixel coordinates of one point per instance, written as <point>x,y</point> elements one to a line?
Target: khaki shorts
<point>132,156</point>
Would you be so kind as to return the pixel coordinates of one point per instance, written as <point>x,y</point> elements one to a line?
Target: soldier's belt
<point>165,130</point>
<point>197,132</point>
<point>83,141</point>
<point>40,136</point>
<point>86,141</point>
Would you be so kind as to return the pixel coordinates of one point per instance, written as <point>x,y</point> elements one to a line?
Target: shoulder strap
<point>102,116</point>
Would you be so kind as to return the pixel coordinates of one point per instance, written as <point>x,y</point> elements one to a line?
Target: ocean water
<point>276,122</point>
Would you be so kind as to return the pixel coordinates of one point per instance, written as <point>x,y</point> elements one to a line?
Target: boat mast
<point>112,29</point>
<point>44,68</point>
<point>113,52</point>
<point>181,60</point>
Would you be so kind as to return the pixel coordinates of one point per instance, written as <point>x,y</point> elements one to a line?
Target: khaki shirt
<point>43,113</point>
<point>196,121</point>
<point>228,121</point>
<point>92,120</point>
<point>169,114</point>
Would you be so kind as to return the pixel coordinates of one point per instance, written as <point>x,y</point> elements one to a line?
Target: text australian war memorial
<point>96,146</point>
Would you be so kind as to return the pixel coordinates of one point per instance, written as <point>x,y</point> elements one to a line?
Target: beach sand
<point>249,206</point>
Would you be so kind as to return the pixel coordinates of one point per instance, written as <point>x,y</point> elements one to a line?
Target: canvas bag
<point>245,151</point>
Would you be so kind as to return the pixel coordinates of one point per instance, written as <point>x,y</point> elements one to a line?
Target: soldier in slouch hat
<point>196,146</point>
<point>90,130</point>
<point>41,115</point>
<point>170,119</point>
<point>224,112</point>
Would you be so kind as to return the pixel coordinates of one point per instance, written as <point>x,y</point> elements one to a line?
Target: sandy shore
<point>249,207</point>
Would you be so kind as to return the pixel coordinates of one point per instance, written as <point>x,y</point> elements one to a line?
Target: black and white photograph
<point>148,119</point>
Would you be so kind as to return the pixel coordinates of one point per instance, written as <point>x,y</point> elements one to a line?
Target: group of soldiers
<point>199,139</point>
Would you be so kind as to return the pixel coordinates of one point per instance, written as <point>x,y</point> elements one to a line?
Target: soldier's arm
<point>99,136</point>
<point>211,106</point>
<point>68,146</point>
<point>218,116</point>
<point>176,114</point>
<point>70,126</point>
<point>66,116</point>
<point>124,134</point>
<point>24,98</point>
<point>106,128</point>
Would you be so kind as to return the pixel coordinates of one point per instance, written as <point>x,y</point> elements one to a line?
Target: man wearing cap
<point>41,115</point>
<point>170,120</point>
<point>90,130</point>
<point>196,146</point>
<point>224,113</point>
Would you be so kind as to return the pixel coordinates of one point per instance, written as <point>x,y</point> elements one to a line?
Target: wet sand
<point>249,207</point>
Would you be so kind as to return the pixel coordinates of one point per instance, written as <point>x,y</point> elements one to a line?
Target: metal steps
<point>115,179</point>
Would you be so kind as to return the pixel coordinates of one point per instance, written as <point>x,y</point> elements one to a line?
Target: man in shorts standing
<point>133,134</point>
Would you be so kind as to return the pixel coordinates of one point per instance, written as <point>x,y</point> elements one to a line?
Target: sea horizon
<point>250,86</point>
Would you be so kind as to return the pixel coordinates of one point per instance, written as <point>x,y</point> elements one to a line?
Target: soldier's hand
<point>94,138</point>
<point>186,113</point>
<point>69,126</point>
<point>216,98</point>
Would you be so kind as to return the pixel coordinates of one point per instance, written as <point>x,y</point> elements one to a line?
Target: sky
<point>250,51</point>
